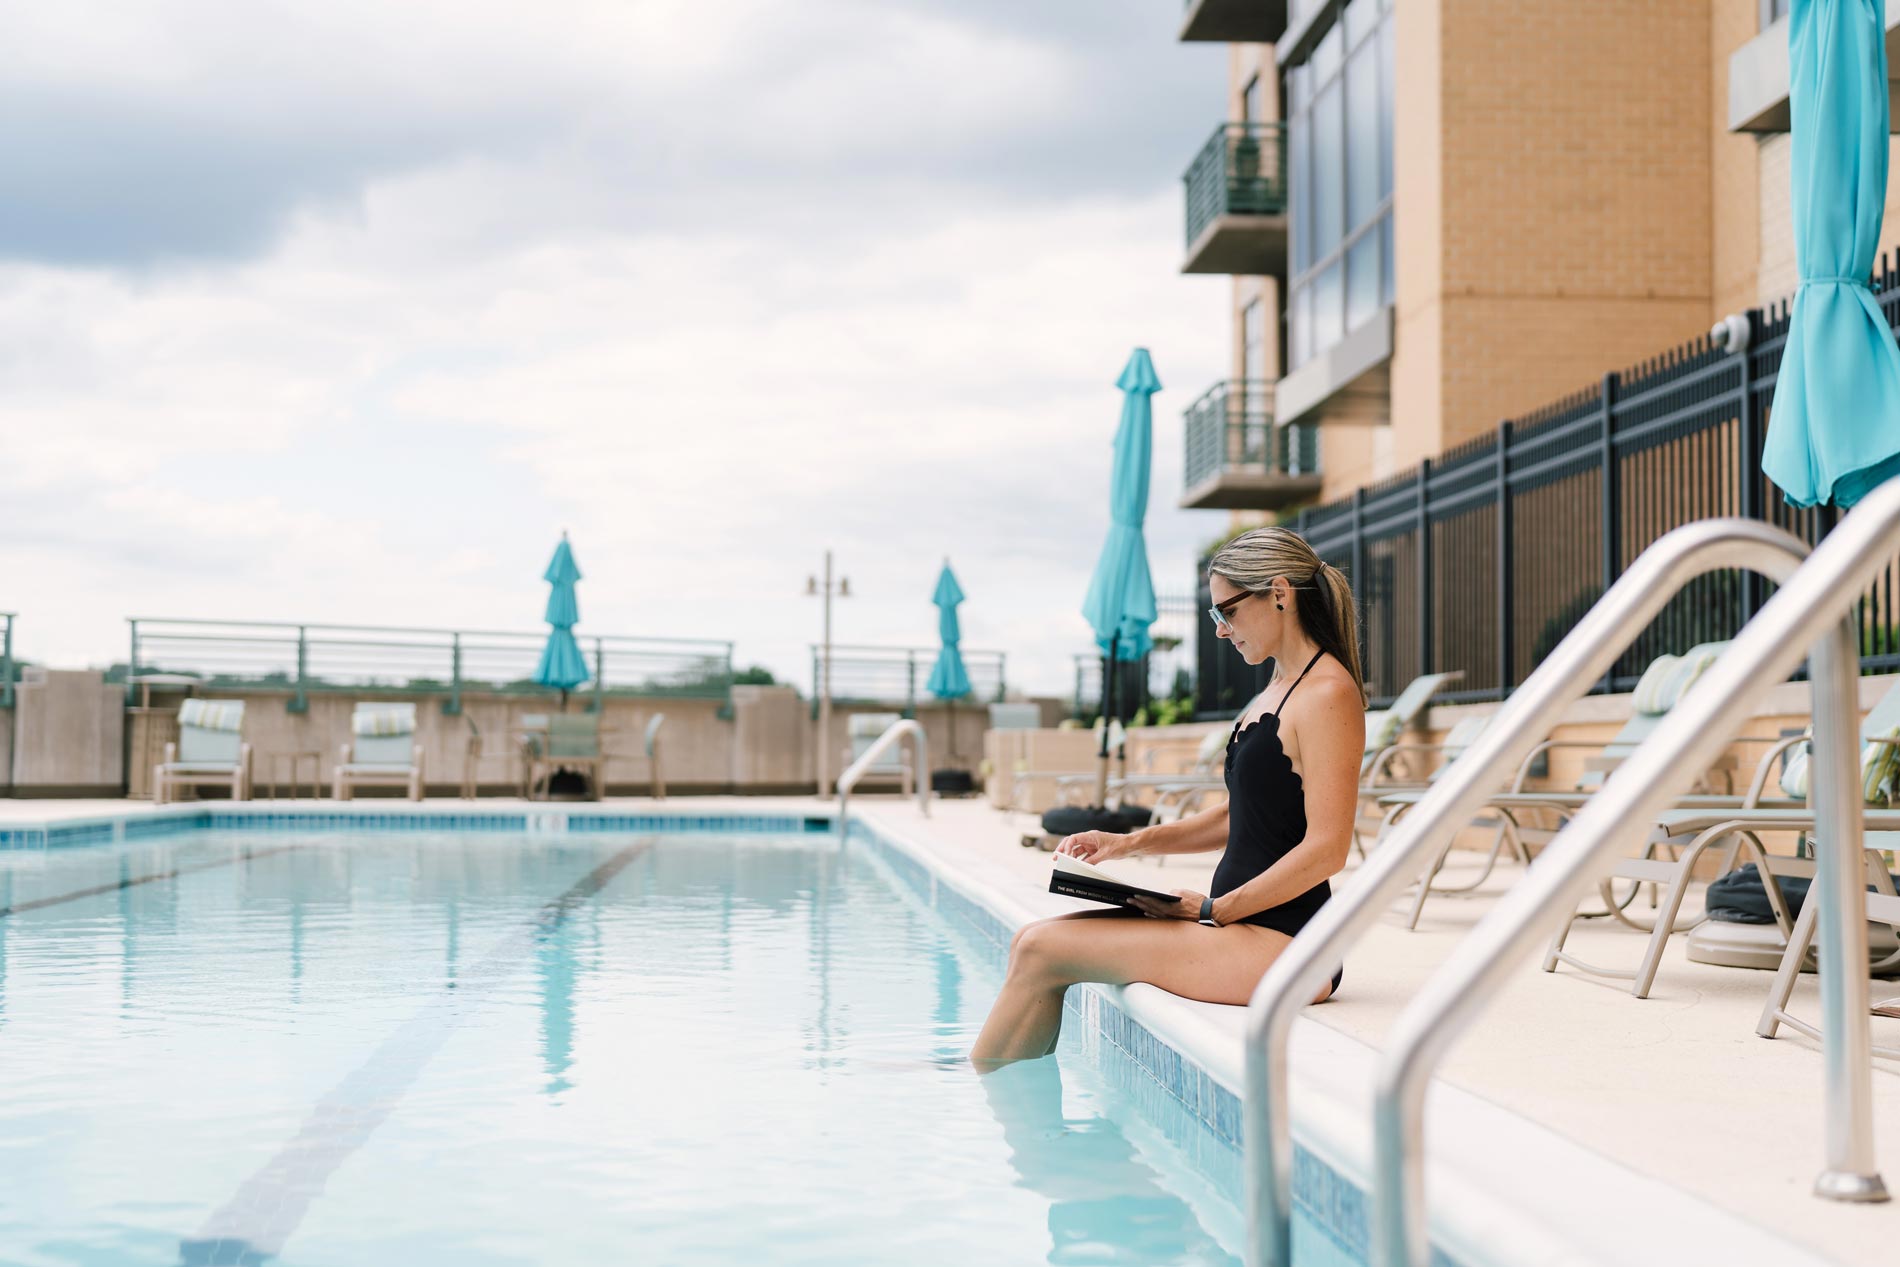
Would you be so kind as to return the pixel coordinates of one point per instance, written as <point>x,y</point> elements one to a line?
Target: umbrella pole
<point>1108,697</point>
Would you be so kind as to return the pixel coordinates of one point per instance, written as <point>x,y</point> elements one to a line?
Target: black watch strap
<point>1207,912</point>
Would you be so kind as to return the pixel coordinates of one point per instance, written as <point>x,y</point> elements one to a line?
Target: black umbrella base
<point>1067,820</point>
<point>568,785</point>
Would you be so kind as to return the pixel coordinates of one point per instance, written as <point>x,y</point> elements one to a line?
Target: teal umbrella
<point>562,665</point>
<point>948,680</point>
<point>1834,431</point>
<point>1121,601</point>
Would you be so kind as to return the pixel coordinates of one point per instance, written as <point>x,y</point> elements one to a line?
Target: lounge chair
<point>1690,831</point>
<point>209,752</point>
<point>572,743</point>
<point>382,751</point>
<point>863,730</point>
<point>1385,727</point>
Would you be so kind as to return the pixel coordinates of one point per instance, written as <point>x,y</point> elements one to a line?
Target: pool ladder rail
<point>1811,615</point>
<point>898,731</point>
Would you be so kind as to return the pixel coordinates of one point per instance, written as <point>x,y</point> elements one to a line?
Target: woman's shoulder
<point>1331,693</point>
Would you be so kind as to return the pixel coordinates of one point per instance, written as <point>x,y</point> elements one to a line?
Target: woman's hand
<point>1097,846</point>
<point>1189,907</point>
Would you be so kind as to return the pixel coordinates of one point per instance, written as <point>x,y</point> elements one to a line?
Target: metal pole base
<point>1844,1185</point>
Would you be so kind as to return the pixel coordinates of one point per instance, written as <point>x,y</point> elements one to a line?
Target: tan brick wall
<point>1734,171</point>
<point>1576,196</point>
<point>1777,277</point>
<point>1417,232</point>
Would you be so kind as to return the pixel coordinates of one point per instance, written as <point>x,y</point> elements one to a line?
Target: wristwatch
<point>1207,912</point>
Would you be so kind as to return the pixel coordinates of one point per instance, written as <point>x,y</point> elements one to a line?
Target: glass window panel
<point>1300,175</point>
<point>1362,136</point>
<point>1391,271</point>
<point>1328,157</point>
<point>1328,308</point>
<point>1363,281</point>
<point>1297,81</point>
<point>1327,53</point>
<point>1302,341</point>
<point>1385,109</point>
<point>1360,15</point>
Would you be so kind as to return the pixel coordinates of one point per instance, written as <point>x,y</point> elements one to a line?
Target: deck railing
<point>1483,558</point>
<point>1231,428</point>
<point>1240,171</point>
<point>6,659</point>
<point>900,676</point>
<point>313,658</point>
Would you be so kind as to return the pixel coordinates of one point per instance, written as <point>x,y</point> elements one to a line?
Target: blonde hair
<point>1255,559</point>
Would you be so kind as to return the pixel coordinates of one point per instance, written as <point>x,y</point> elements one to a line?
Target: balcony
<point>1237,459</point>
<point>1236,202</point>
<point>1233,21</point>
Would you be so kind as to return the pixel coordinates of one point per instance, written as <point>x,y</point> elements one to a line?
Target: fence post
<point>1358,577</point>
<point>910,683</point>
<point>132,664</point>
<point>6,666</point>
<point>300,698</point>
<point>1748,465</point>
<point>1608,513</point>
<point>1002,677</point>
<point>453,707</point>
<point>1424,530</point>
<point>1505,563</point>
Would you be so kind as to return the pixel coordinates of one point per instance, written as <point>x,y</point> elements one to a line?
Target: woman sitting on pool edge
<point>1292,787</point>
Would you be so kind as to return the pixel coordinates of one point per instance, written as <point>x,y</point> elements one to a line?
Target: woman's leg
<point>1217,965</point>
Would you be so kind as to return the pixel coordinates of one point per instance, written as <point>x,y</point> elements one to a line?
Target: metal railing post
<point>1612,542</point>
<point>132,664</point>
<point>300,698</point>
<point>598,705</point>
<point>1408,853</point>
<point>1506,562</point>
<point>453,707</point>
<point>1002,676</point>
<point>920,744</point>
<point>1813,615</point>
<point>6,660</point>
<point>1748,474</point>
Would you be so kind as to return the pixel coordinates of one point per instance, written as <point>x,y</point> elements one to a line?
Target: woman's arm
<point>1197,833</point>
<point>1332,739</point>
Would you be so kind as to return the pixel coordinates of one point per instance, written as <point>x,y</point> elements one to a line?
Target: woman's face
<point>1251,621</point>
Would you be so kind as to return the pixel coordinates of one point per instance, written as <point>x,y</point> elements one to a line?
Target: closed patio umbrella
<point>948,679</point>
<point>562,665</point>
<point>1121,600</point>
<point>1834,431</point>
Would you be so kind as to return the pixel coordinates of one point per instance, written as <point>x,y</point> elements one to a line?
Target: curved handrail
<point>1530,713</point>
<point>920,744</point>
<point>1811,616</point>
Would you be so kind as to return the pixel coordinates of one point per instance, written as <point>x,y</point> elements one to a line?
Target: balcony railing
<point>6,660</point>
<point>1236,201</point>
<point>1238,459</point>
<point>900,676</point>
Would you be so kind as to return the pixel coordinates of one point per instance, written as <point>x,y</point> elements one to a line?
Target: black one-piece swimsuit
<point>1266,817</point>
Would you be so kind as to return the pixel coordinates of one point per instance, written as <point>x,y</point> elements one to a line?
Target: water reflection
<point>1106,1205</point>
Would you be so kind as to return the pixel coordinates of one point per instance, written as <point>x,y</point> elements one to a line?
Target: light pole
<point>843,590</point>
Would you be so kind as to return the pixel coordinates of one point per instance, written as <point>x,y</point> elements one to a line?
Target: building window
<point>1340,175</point>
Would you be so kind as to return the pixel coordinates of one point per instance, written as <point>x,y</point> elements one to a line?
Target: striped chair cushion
<point>1692,666</point>
<point>1878,764</point>
<point>212,714</point>
<point>381,720</point>
<point>1652,692</point>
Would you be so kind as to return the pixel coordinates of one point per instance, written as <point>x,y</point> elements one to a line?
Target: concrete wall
<point>68,734</point>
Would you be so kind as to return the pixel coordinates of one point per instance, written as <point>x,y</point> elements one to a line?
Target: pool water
<point>486,1049</point>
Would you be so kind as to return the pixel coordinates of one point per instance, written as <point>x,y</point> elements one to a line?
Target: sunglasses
<point>1220,612</point>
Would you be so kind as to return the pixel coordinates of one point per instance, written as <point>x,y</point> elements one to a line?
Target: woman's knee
<point>1031,951</point>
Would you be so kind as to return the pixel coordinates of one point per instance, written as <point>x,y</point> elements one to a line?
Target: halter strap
<point>1301,678</point>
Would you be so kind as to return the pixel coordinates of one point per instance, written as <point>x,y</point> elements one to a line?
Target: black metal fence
<point>1485,557</point>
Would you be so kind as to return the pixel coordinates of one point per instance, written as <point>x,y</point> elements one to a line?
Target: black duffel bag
<point>1067,820</point>
<point>1741,898</point>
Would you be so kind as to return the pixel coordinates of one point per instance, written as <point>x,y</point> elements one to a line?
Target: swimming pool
<point>328,1047</point>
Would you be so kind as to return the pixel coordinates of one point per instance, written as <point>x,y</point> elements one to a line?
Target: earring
<point>1279,607</point>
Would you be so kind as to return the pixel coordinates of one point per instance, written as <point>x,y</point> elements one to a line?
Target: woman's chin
<point>1247,653</point>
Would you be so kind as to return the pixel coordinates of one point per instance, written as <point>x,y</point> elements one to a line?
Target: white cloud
<point>389,413</point>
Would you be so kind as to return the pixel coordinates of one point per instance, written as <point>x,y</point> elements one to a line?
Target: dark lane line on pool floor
<point>252,1227</point>
<point>99,889</point>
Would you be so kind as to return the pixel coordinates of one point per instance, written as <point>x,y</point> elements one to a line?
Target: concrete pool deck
<point>1661,1125</point>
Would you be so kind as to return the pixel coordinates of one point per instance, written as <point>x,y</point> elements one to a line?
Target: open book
<point>1076,878</point>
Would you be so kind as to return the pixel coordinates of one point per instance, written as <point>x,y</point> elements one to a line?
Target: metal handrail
<point>1531,712</point>
<point>1811,616</point>
<point>920,745</point>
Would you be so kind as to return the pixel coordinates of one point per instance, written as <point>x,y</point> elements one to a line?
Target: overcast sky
<point>343,312</point>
